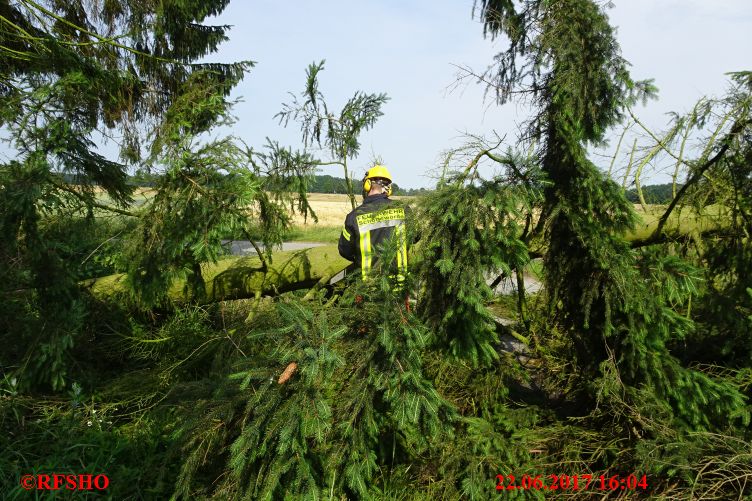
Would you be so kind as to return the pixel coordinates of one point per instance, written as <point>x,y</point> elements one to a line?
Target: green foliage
<point>724,303</point>
<point>340,132</point>
<point>330,184</point>
<point>386,396</point>
<point>467,232</point>
<point>73,72</point>
<point>618,320</point>
<point>78,435</point>
<point>194,205</point>
<point>207,192</point>
<point>494,435</point>
<point>284,423</point>
<point>632,359</point>
<point>358,401</point>
<point>611,302</point>
<point>91,245</point>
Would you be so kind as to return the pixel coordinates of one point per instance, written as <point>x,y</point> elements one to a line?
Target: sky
<point>410,50</point>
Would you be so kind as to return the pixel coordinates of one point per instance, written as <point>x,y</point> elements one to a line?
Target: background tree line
<point>324,183</point>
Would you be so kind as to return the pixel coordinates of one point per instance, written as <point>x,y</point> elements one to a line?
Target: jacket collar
<point>371,198</point>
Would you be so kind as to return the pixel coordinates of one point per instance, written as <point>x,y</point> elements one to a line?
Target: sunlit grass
<point>314,233</point>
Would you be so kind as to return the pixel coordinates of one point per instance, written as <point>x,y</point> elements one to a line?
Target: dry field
<point>331,209</point>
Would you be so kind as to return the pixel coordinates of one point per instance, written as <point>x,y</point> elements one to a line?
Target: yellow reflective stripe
<point>401,253</point>
<point>369,253</point>
<point>403,249</point>
<point>345,233</point>
<point>382,215</point>
<point>365,253</point>
<point>398,233</point>
<point>389,223</point>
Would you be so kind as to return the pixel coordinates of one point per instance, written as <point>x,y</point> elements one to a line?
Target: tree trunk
<point>244,277</point>
<point>682,222</point>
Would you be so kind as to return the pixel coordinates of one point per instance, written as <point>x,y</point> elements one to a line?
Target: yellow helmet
<point>377,171</point>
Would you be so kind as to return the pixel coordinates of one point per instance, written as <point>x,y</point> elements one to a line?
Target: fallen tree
<point>246,277</point>
<point>679,223</point>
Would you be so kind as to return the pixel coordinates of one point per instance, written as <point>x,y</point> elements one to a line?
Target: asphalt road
<point>244,247</point>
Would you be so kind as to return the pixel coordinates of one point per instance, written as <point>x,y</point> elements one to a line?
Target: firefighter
<point>372,223</point>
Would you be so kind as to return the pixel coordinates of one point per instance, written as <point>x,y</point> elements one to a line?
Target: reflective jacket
<point>371,224</point>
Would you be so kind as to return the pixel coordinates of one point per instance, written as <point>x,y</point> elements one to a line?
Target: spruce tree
<point>565,58</point>
<point>72,74</point>
<point>333,400</point>
<point>720,176</point>
<point>469,228</point>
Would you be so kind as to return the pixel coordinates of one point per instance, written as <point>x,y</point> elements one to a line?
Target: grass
<point>310,232</point>
<point>504,306</point>
<point>535,269</point>
<point>683,220</point>
<point>314,233</point>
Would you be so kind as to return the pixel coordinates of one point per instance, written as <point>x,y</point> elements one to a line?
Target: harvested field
<point>330,208</point>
